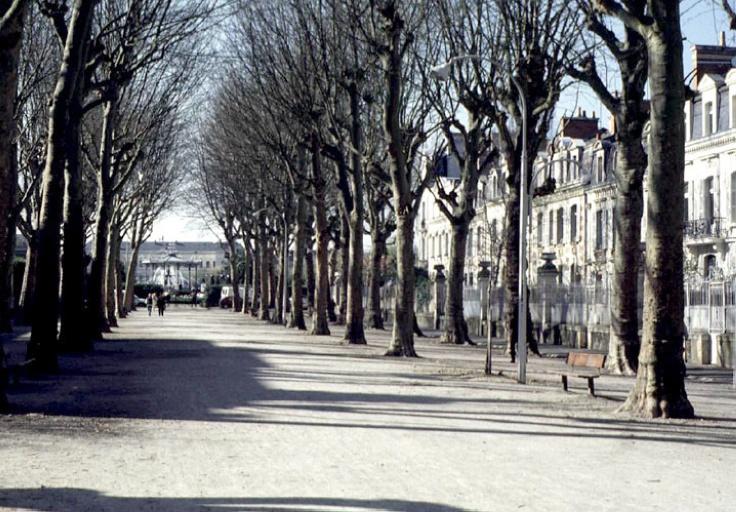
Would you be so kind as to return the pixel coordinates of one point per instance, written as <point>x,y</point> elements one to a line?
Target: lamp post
<point>442,72</point>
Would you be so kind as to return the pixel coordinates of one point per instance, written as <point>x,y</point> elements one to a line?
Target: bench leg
<point>591,386</point>
<point>564,382</point>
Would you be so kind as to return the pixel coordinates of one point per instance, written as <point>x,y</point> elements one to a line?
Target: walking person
<point>161,303</point>
<point>194,297</point>
<point>149,303</point>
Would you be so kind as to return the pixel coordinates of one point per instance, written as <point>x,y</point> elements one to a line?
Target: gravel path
<point>210,410</point>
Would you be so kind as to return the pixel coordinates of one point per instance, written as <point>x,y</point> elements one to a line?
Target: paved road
<point>210,410</point>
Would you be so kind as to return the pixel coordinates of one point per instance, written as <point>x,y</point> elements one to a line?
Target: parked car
<point>139,302</point>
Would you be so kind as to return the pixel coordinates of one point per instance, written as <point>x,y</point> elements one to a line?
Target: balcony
<point>706,230</point>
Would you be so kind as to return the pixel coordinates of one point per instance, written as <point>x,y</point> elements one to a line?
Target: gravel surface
<point>209,410</point>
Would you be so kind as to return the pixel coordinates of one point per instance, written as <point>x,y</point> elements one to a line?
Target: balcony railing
<point>704,228</point>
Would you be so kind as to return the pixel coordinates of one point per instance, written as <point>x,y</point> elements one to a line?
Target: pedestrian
<point>161,303</point>
<point>149,303</point>
<point>194,297</point>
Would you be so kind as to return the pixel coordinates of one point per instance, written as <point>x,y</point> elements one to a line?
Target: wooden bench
<point>585,366</point>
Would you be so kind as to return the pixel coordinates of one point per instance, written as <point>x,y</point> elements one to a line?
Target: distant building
<point>179,264</point>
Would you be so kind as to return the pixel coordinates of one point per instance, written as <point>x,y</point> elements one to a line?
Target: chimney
<point>580,111</point>
<point>722,38</point>
<point>585,114</point>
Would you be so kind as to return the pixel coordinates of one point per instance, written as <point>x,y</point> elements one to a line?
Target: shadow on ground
<point>69,499</point>
<point>199,380</point>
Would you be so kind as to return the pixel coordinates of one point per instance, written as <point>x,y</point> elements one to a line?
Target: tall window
<point>560,225</point>
<point>447,244</point>
<point>708,198</point>
<point>540,228</point>
<point>470,242</point>
<point>708,115</point>
<point>573,222</point>
<point>599,227</point>
<point>551,237</point>
<point>686,212</point>
<point>733,197</point>
<point>479,239</point>
<point>600,168</point>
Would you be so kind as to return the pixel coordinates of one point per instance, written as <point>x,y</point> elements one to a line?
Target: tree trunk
<point>256,302</point>
<point>311,277</point>
<point>234,275</point>
<point>344,254</point>
<point>130,280</point>
<point>280,283</point>
<point>660,380</point>
<point>42,346</point>
<point>96,297</point>
<point>322,232</point>
<point>110,271</point>
<point>511,279</point>
<point>73,336</point>
<point>456,329</point>
<point>296,319</point>
<point>334,295</point>
<point>264,275</point>
<point>354,330</point>
<point>378,250</point>
<point>623,345</point>
<point>11,40</point>
<point>272,278</point>
<point>402,340</point>
<point>29,280</point>
<point>247,279</point>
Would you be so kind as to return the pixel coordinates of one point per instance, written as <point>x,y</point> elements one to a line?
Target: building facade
<point>572,209</point>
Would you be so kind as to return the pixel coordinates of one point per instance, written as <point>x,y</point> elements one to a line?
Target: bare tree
<point>660,378</point>
<point>630,111</point>
<point>535,58</point>
<point>392,28</point>
<point>42,346</point>
<point>12,14</point>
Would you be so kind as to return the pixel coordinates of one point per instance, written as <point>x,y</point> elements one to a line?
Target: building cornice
<point>713,141</point>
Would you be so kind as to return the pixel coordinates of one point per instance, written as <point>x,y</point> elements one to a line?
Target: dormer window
<point>708,118</point>
<point>600,171</point>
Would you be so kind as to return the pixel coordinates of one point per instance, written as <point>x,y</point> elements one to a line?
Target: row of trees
<point>331,117</point>
<point>327,122</point>
<point>94,96</point>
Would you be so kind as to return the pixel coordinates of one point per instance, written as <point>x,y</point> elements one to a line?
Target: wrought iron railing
<point>704,228</point>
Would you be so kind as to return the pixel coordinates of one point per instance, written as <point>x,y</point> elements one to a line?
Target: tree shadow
<point>236,382</point>
<point>64,498</point>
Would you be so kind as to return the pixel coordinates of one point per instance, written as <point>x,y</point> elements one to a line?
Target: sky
<point>702,21</point>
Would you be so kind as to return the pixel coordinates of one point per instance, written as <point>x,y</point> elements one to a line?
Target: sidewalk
<point>211,410</point>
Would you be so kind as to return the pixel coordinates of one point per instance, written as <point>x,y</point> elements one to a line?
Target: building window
<point>708,118</point>
<point>573,222</point>
<point>599,227</point>
<point>600,169</point>
<point>708,199</point>
<point>686,209</point>
<point>479,239</point>
<point>540,228</point>
<point>733,197</point>
<point>560,225</point>
<point>447,244</point>
<point>470,242</point>
<point>551,237</point>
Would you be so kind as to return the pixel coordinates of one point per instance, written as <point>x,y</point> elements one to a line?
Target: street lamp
<point>442,73</point>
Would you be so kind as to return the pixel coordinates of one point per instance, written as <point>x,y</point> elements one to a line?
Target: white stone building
<point>575,220</point>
